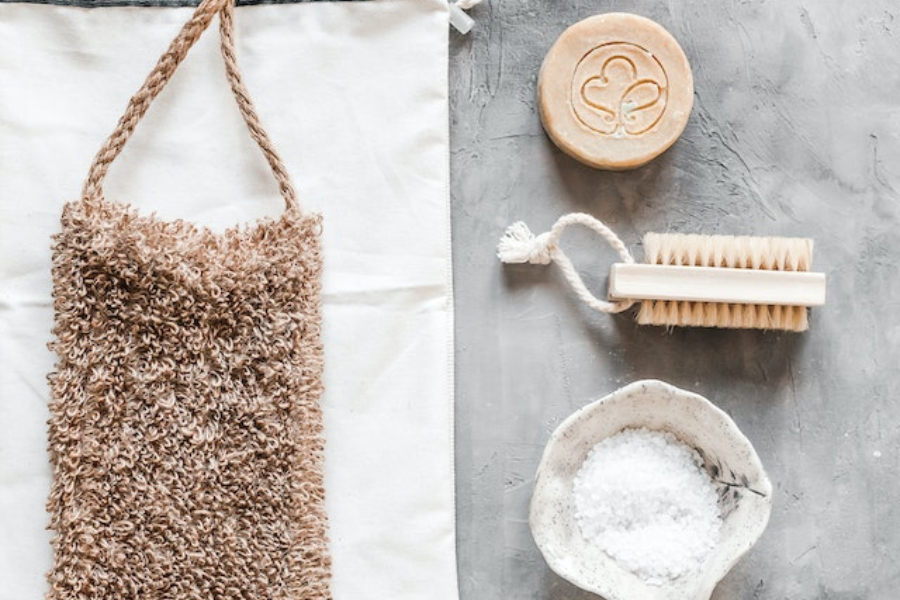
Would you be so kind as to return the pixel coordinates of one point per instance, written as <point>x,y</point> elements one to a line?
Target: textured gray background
<point>795,131</point>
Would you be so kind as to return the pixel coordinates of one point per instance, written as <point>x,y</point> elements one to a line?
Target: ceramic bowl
<point>745,493</point>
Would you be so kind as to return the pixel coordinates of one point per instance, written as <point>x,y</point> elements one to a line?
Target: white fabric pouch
<point>354,95</point>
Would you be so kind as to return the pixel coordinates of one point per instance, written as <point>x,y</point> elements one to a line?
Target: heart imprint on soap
<point>619,90</point>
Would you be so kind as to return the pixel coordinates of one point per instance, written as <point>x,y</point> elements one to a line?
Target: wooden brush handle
<point>712,284</point>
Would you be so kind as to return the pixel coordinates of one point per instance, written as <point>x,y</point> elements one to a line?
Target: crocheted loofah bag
<point>186,433</point>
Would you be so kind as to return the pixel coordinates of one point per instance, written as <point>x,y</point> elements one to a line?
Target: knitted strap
<point>156,81</point>
<point>519,245</point>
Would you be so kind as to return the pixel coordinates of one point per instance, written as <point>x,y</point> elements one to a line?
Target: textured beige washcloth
<point>185,432</point>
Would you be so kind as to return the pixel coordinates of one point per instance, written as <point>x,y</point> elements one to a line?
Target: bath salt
<point>644,498</point>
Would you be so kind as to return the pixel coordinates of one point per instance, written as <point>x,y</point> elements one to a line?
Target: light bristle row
<point>729,316</point>
<point>737,252</point>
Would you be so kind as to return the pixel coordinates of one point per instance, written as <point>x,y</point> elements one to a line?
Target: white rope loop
<point>519,245</point>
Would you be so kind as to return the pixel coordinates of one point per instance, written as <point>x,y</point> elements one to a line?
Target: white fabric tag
<point>354,95</point>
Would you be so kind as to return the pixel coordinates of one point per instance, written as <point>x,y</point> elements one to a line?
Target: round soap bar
<point>615,91</point>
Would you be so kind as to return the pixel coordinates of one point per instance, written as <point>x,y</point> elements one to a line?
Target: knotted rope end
<point>518,245</point>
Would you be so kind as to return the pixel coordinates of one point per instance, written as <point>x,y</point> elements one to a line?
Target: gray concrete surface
<point>795,131</point>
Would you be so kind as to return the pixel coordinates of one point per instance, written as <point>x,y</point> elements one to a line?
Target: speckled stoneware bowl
<point>745,493</point>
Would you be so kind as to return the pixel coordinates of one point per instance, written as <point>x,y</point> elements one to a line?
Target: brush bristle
<point>729,316</point>
<point>779,254</point>
<point>771,253</point>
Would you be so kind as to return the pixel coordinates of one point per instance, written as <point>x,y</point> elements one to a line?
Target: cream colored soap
<point>615,91</point>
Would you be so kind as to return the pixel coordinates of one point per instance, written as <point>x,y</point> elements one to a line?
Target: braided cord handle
<point>157,80</point>
<point>519,245</point>
<point>248,111</point>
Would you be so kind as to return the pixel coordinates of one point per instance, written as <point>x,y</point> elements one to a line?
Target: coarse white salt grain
<point>644,498</point>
